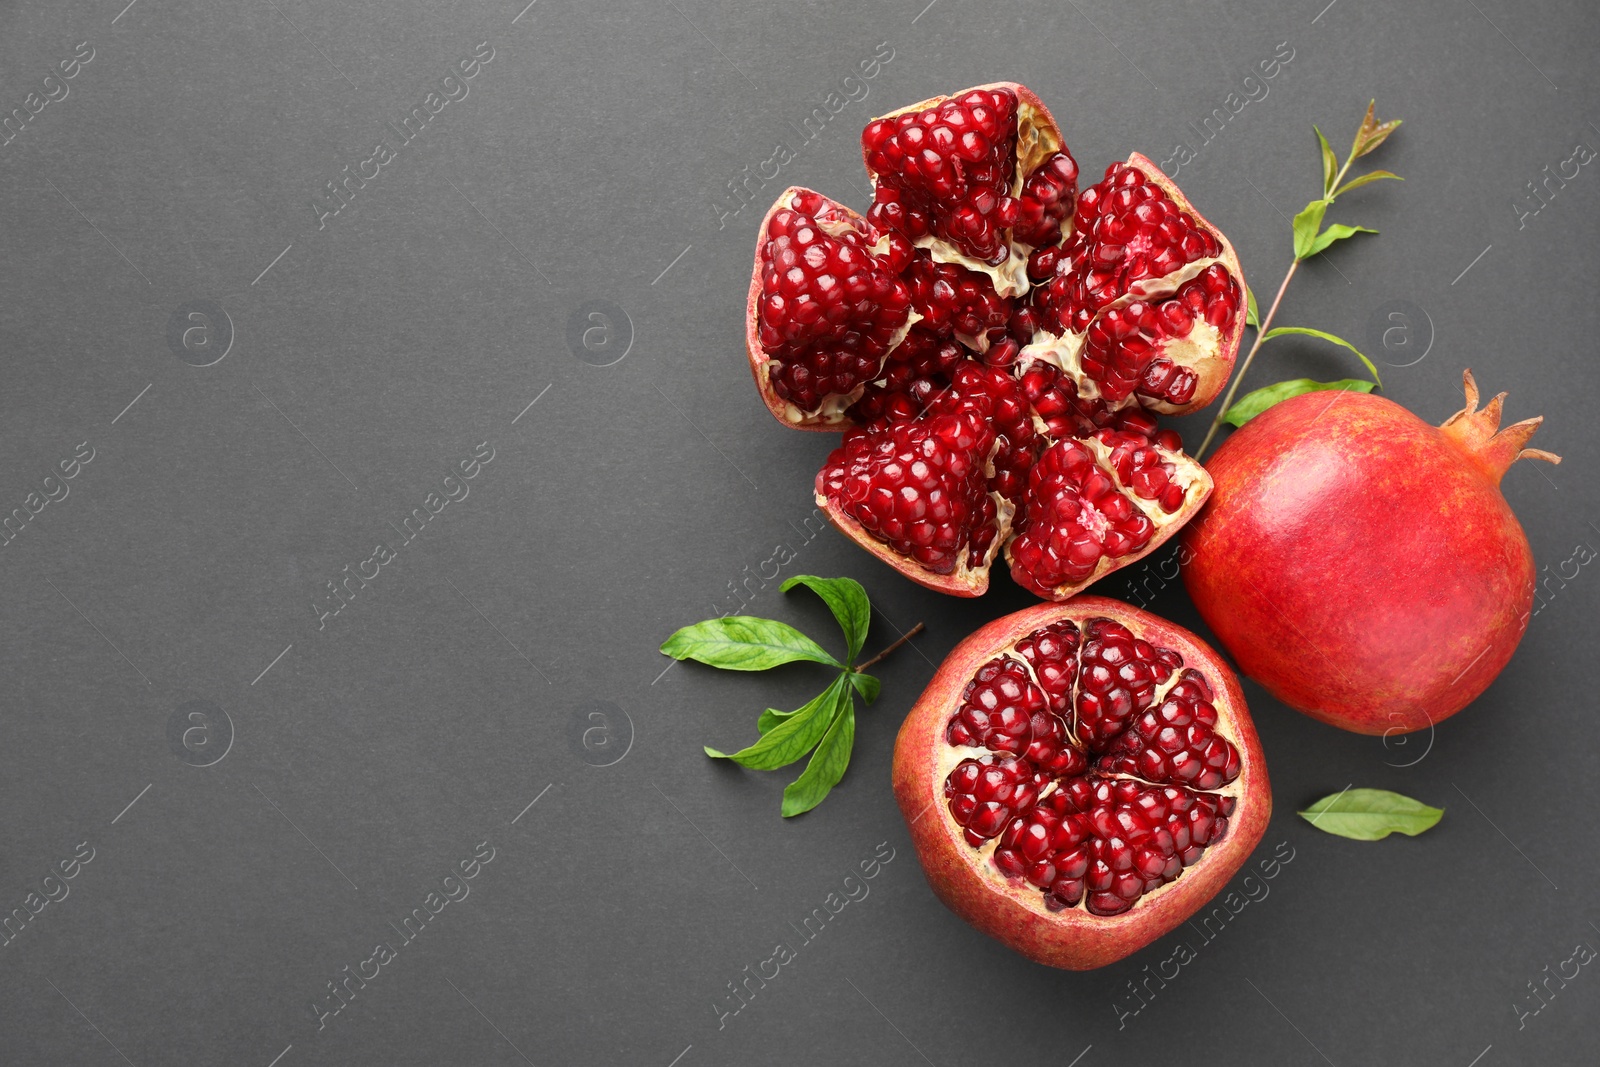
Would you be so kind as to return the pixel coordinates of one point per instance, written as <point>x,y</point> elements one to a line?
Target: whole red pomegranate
<point>1362,564</point>
<point>995,345</point>
<point>1079,779</point>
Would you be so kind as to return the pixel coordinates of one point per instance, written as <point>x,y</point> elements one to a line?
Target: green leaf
<point>1370,814</point>
<point>772,716</point>
<point>1372,132</point>
<point>1252,314</point>
<point>1254,403</point>
<point>1306,225</point>
<point>866,685</point>
<point>827,764</point>
<point>1280,331</point>
<point>1374,176</point>
<point>744,643</point>
<point>848,602</point>
<point>1330,164</point>
<point>795,735</point>
<point>1337,232</point>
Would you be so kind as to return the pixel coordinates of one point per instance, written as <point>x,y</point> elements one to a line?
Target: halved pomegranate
<point>1079,779</point>
<point>1059,320</point>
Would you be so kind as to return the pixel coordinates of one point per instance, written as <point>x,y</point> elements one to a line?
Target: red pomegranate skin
<point>1361,564</point>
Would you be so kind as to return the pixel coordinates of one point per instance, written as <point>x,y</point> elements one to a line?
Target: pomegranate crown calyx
<point>1478,433</point>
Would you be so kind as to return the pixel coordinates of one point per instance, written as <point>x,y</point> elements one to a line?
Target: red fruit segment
<point>1139,839</point>
<point>1146,346</point>
<point>1143,300</point>
<point>1119,675</point>
<point>946,171</point>
<point>956,302</point>
<point>979,178</point>
<point>1176,741</point>
<point>984,794</point>
<point>916,489</point>
<point>1004,711</point>
<point>825,309</point>
<point>1052,652</point>
<point>1094,505</point>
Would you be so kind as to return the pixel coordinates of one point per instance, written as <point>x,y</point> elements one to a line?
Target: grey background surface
<point>361,762</point>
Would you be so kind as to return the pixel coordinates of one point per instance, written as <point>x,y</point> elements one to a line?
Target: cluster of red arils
<point>995,345</point>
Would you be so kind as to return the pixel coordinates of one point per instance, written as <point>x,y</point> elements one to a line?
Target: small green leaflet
<point>1373,176</point>
<point>824,726</point>
<point>1254,403</point>
<point>795,734</point>
<point>866,685</point>
<point>1330,164</point>
<point>1306,225</point>
<point>1285,331</point>
<point>848,602</point>
<point>827,765</point>
<point>744,643</point>
<point>1337,232</point>
<point>1371,814</point>
<point>1252,314</point>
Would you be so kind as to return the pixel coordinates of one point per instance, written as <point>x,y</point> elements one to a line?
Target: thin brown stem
<point>875,660</point>
<point>1244,368</point>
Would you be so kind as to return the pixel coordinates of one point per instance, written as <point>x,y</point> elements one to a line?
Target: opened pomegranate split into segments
<point>1079,779</point>
<point>995,345</point>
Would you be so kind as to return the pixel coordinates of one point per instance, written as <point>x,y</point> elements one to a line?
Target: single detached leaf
<point>1337,232</point>
<point>744,643</point>
<point>1370,814</point>
<point>1372,132</point>
<point>1306,225</point>
<point>1374,176</point>
<point>847,600</point>
<point>1280,331</point>
<point>1254,403</point>
<point>866,685</point>
<point>827,764</point>
<point>1252,314</point>
<point>1330,164</point>
<point>796,735</point>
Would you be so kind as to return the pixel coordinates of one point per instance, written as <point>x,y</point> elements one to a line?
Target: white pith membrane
<point>1036,142</point>
<point>834,223</point>
<point>1019,888</point>
<point>1187,473</point>
<point>1066,351</point>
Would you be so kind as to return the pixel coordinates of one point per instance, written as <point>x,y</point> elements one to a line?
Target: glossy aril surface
<point>830,310</point>
<point>946,171</point>
<point>1079,778</point>
<point>1057,317</point>
<point>1103,794</point>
